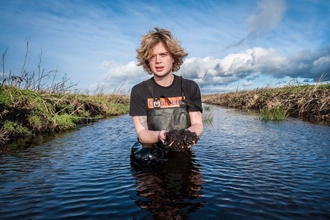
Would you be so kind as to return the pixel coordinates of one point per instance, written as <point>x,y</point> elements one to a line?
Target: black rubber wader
<point>161,119</point>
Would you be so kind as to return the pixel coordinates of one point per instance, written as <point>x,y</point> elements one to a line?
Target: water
<point>241,168</point>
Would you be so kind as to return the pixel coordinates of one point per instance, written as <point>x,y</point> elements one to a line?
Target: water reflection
<point>241,168</point>
<point>172,189</point>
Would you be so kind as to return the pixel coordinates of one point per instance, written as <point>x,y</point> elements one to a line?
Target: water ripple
<point>242,168</point>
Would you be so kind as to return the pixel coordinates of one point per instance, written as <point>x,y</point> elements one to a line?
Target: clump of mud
<point>180,140</point>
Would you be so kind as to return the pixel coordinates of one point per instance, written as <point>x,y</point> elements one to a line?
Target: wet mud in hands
<point>180,140</point>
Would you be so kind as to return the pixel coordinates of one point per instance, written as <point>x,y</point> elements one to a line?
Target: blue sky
<point>232,44</point>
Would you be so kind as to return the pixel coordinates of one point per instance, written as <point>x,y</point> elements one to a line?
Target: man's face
<point>161,61</point>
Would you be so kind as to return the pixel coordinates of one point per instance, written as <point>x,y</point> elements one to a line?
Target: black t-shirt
<point>140,95</point>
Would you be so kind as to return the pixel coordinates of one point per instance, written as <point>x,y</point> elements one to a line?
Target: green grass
<point>276,114</point>
<point>35,122</point>
<point>67,122</point>
<point>27,112</point>
<point>208,114</point>
<point>16,129</point>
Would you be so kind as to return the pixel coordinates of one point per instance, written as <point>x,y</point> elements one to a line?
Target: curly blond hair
<point>144,53</point>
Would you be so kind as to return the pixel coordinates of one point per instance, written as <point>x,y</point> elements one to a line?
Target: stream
<point>241,168</point>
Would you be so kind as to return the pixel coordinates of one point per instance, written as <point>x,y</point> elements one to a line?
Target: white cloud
<point>322,61</point>
<point>104,65</point>
<point>234,66</point>
<point>119,71</point>
<point>199,67</point>
<point>247,65</point>
<point>251,62</point>
<point>307,64</point>
<point>267,17</point>
<point>118,74</point>
<point>248,83</point>
<point>269,14</point>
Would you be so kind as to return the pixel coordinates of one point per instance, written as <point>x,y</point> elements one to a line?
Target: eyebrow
<point>162,53</point>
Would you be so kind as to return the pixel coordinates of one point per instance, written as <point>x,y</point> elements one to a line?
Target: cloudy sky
<point>232,44</point>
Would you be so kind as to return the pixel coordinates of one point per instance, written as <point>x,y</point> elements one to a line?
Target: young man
<point>166,101</point>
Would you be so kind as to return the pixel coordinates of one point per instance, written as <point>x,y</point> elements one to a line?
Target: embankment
<point>28,113</point>
<point>306,102</point>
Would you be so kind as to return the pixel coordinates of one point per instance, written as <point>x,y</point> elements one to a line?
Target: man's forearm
<point>148,136</point>
<point>197,128</point>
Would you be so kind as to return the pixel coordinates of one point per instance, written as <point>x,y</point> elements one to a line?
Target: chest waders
<point>170,118</point>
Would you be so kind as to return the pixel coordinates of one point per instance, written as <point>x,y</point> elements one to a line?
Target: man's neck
<point>164,81</point>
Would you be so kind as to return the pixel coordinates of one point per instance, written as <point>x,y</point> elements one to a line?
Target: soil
<point>180,140</point>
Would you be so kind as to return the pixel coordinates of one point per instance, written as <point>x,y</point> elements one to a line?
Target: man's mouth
<point>159,68</point>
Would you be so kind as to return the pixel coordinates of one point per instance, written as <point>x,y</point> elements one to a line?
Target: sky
<point>232,44</point>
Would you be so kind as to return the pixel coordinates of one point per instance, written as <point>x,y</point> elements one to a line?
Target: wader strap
<point>182,91</point>
<point>167,100</point>
<point>192,104</point>
<point>150,89</point>
<point>188,102</point>
<point>151,92</point>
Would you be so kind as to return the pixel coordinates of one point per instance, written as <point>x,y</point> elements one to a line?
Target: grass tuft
<point>208,114</point>
<point>276,114</point>
<point>15,129</point>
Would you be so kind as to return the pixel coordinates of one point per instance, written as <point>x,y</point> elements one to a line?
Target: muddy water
<point>241,168</point>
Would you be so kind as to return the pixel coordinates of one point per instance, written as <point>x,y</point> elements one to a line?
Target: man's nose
<point>158,59</point>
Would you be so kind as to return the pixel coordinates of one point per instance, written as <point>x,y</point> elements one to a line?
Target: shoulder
<point>142,86</point>
<point>138,91</point>
<point>185,80</point>
<point>139,86</point>
<point>189,84</point>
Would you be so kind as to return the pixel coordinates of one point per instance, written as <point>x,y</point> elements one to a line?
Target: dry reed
<point>305,102</point>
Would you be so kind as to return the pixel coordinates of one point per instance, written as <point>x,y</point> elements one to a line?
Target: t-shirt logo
<point>165,102</point>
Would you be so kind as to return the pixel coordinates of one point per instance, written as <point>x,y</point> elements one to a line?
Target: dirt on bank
<point>306,102</point>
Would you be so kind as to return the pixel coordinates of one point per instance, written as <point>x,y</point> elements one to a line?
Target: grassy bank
<point>307,102</point>
<point>35,103</point>
<point>25,112</point>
